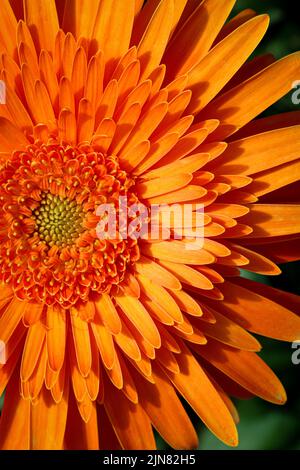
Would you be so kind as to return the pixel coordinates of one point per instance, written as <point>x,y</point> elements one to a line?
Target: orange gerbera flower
<point>107,98</point>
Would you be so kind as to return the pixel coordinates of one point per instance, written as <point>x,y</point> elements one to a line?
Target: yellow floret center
<point>58,220</point>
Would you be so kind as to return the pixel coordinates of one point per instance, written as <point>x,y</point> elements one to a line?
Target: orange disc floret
<point>49,196</point>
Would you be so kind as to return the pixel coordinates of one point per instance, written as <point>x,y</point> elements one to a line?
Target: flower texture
<point>158,103</point>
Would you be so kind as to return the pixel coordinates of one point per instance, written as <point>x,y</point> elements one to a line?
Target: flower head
<point>155,104</point>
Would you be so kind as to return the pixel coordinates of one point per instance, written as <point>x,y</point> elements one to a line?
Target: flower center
<point>58,220</point>
<point>50,251</point>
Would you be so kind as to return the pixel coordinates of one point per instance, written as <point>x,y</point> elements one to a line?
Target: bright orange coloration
<point>157,104</point>
<point>50,252</point>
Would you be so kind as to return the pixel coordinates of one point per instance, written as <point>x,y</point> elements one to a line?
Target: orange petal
<point>94,81</point>
<point>106,309</point>
<point>8,368</point>
<point>140,318</point>
<point>273,220</point>
<point>194,385</point>
<point>81,337</point>
<point>94,378</point>
<point>196,36</point>
<point>186,303</point>
<point>157,273</point>
<point>188,164</point>
<point>186,145</point>
<point>125,124</point>
<point>245,368</point>
<point>228,332</point>
<point>32,348</point>
<point>8,27</point>
<point>275,178</point>
<point>41,17</point>
<point>160,296</point>
<point>127,343</point>
<point>105,343</point>
<point>67,127</point>
<point>177,251</point>
<point>15,418</point>
<point>234,23</point>
<point>257,263</point>
<point>260,152</point>
<point>158,149</point>
<point>86,435</point>
<point>188,275</point>
<point>79,17</point>
<point>11,137</point>
<point>56,337</point>
<point>259,314</point>
<point>146,125</point>
<point>257,94</point>
<point>11,318</point>
<point>135,156</point>
<point>112,31</point>
<point>231,53</point>
<point>188,193</point>
<point>276,121</point>
<point>129,421</point>
<point>159,186</point>
<point>37,378</point>
<point>166,412</point>
<point>50,416</point>
<point>157,311</point>
<point>155,38</point>
<point>129,387</point>
<point>86,121</point>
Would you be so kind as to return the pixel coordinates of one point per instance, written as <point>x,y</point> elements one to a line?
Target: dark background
<point>264,426</point>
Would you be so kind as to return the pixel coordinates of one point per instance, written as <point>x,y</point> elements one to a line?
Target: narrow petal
<point>231,55</point>
<point>155,38</point>
<point>11,136</point>
<point>188,275</point>
<point>161,186</point>
<point>112,31</point>
<point>105,343</point>
<point>245,368</point>
<point>228,332</point>
<point>56,338</point>
<point>257,94</point>
<point>81,337</point>
<point>166,412</point>
<point>260,152</point>
<point>8,27</point>
<point>195,38</point>
<point>15,418</point>
<point>194,385</point>
<point>259,314</point>
<point>270,180</point>
<point>273,220</point>
<point>106,309</point>
<point>177,251</point>
<point>140,318</point>
<point>52,418</point>
<point>157,273</point>
<point>160,296</point>
<point>32,348</point>
<point>41,17</point>
<point>79,17</point>
<point>130,423</point>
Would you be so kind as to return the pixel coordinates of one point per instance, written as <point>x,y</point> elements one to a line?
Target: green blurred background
<point>264,426</point>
